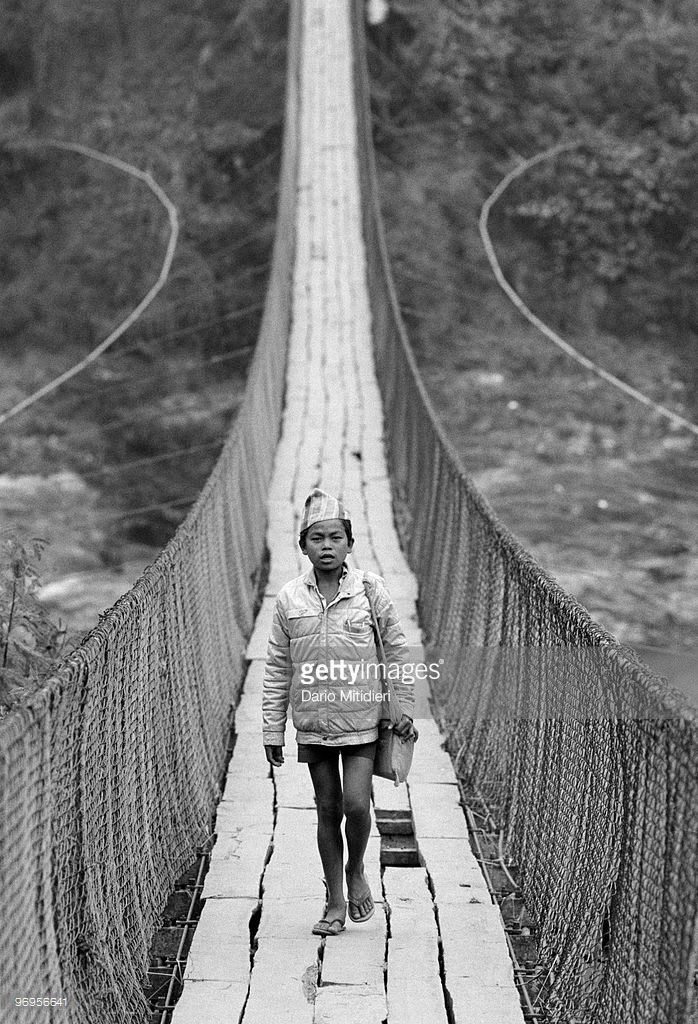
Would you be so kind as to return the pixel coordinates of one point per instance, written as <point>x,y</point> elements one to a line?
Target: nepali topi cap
<point>319,505</point>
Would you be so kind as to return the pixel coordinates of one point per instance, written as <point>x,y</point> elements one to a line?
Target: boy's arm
<point>277,680</point>
<point>395,643</point>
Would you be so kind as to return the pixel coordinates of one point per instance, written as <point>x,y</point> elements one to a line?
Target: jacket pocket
<point>357,622</point>
<point>302,622</point>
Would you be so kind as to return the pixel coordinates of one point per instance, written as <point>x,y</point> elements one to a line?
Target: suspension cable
<point>676,420</point>
<point>147,178</point>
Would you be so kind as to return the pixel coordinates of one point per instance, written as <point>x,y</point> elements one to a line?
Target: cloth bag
<point>393,757</point>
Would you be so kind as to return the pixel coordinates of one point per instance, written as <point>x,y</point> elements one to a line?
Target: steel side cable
<point>677,420</point>
<point>145,177</point>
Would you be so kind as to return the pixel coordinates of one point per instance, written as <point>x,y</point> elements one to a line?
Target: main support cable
<point>135,313</point>
<point>678,422</point>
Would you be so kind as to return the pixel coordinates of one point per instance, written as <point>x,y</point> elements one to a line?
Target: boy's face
<point>326,544</point>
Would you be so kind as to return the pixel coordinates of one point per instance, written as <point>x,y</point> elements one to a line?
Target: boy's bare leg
<point>328,797</point>
<point>358,774</point>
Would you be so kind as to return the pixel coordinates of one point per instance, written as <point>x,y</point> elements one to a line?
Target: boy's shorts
<point>313,753</point>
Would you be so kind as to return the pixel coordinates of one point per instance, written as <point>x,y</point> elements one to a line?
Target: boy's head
<point>325,530</point>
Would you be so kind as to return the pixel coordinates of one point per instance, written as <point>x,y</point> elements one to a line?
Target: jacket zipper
<point>325,607</point>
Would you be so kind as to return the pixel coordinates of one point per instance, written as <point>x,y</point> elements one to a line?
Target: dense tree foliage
<point>615,220</point>
<point>194,94</point>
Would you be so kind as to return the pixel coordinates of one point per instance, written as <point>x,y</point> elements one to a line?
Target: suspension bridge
<point>117,772</point>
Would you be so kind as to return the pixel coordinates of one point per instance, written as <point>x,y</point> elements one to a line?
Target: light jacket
<point>315,649</point>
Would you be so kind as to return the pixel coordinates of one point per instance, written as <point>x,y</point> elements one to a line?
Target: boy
<point>322,659</point>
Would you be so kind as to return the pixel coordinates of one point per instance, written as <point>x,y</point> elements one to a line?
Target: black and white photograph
<point>348,512</point>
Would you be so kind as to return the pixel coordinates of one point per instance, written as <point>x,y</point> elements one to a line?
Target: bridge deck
<point>435,947</point>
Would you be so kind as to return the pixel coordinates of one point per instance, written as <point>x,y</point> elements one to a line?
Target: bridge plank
<point>249,759</point>
<point>215,1002</point>
<point>285,966</point>
<point>234,814</point>
<point>476,1004</point>
<point>285,960</point>
<point>452,869</point>
<point>415,993</point>
<point>220,949</point>
<point>254,678</point>
<point>348,1005</point>
<point>248,716</point>
<point>295,868</point>
<point>352,980</point>
<point>431,762</point>
<point>282,985</point>
<point>294,787</point>
<point>257,646</point>
<point>437,811</point>
<point>237,863</point>
<point>478,971</point>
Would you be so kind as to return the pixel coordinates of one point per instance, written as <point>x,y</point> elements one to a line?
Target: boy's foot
<point>332,923</point>
<point>361,909</point>
<point>325,927</point>
<point>361,906</point>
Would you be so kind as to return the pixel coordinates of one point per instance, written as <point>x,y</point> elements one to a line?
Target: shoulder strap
<point>374,619</point>
<point>394,703</point>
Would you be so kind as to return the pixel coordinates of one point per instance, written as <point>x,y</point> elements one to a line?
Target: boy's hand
<point>275,755</point>
<point>405,728</point>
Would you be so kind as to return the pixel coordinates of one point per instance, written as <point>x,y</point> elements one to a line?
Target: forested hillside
<point>602,242</point>
<point>195,97</point>
<point>107,466</point>
<point>603,237</point>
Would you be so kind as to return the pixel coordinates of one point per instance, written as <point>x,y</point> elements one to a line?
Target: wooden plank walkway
<point>435,950</point>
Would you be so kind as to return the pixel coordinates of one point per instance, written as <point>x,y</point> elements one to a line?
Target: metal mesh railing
<point>109,776</point>
<point>590,761</point>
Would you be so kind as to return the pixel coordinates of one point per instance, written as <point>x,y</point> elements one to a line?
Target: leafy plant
<point>31,644</point>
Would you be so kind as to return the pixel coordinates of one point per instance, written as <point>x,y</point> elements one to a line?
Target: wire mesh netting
<point>590,761</point>
<point>109,777</point>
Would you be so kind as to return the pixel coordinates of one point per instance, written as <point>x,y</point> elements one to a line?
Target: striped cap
<point>320,506</point>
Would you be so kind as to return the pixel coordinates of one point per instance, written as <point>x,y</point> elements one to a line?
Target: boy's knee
<point>330,812</point>
<point>355,809</point>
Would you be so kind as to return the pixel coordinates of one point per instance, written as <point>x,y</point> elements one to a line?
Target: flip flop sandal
<point>325,927</point>
<point>356,917</point>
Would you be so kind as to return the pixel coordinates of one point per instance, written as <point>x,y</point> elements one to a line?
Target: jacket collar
<point>350,581</point>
